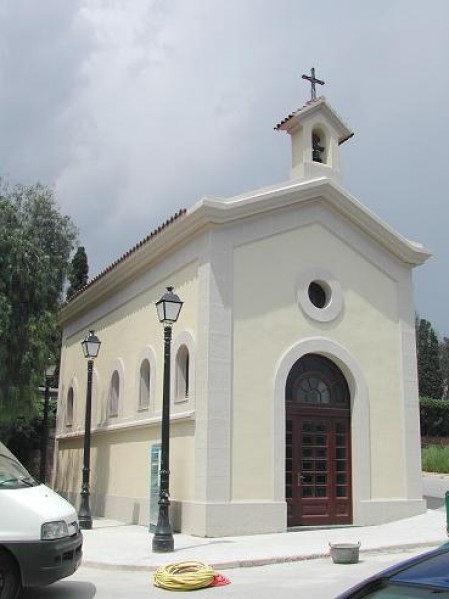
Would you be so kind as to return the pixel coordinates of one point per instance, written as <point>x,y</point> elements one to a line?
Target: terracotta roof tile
<point>131,251</point>
<point>306,105</point>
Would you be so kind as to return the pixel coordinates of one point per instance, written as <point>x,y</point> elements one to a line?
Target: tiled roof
<point>131,251</point>
<point>345,134</point>
<point>306,105</point>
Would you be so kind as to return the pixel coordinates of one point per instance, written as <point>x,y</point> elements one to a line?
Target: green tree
<point>79,272</point>
<point>430,379</point>
<point>444,364</point>
<point>36,241</point>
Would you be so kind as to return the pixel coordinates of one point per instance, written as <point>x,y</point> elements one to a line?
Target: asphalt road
<point>313,579</point>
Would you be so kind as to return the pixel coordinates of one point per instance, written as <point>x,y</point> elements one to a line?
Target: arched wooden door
<point>318,444</point>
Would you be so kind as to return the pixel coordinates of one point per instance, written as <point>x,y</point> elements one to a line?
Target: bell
<point>316,156</point>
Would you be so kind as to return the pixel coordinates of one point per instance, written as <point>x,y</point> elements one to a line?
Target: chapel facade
<point>294,397</point>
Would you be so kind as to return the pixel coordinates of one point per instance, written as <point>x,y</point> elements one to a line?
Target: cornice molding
<point>125,426</point>
<point>294,120</point>
<point>212,212</point>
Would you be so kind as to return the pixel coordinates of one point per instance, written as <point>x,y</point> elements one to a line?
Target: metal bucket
<point>345,553</point>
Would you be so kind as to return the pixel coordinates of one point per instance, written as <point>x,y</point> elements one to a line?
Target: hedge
<point>434,416</point>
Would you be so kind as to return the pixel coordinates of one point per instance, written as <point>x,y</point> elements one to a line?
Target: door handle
<point>299,478</point>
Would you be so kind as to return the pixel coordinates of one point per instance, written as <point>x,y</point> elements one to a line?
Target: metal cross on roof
<point>313,80</point>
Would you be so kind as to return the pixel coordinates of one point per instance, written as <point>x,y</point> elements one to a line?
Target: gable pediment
<point>324,191</point>
<point>214,212</point>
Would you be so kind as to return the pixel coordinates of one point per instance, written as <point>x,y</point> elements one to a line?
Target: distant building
<point>294,383</point>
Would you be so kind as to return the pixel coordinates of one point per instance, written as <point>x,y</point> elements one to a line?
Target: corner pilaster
<point>214,372</point>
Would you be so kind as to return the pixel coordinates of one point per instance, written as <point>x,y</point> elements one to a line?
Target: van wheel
<point>9,577</point>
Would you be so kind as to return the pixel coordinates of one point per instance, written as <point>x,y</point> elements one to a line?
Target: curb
<point>252,563</point>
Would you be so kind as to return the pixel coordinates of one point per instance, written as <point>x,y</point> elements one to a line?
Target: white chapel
<point>294,398</point>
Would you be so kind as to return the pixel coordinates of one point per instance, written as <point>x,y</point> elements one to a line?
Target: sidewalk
<point>112,544</point>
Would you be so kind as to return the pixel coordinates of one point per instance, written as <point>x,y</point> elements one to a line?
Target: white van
<point>40,539</point>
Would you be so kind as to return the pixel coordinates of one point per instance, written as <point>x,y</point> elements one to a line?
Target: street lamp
<point>50,370</point>
<point>91,347</point>
<point>168,309</point>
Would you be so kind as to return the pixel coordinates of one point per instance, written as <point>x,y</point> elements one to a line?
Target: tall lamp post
<point>168,309</point>
<point>91,347</point>
<point>49,374</point>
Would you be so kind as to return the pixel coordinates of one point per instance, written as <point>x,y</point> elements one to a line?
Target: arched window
<point>182,373</point>
<point>144,388</point>
<point>69,414</point>
<point>114,394</point>
<point>316,380</point>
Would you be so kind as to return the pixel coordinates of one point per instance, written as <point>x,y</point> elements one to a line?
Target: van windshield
<point>12,474</point>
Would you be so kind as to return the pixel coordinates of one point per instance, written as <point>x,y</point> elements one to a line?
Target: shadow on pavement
<point>61,590</point>
<point>434,503</point>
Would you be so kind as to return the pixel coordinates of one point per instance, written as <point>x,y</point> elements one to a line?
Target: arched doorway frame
<point>360,415</point>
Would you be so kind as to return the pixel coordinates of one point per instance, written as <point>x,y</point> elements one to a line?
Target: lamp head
<point>50,368</point>
<point>91,345</point>
<point>169,307</point>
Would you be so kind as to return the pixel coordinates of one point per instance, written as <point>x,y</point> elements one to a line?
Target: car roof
<point>430,568</point>
<point>433,570</point>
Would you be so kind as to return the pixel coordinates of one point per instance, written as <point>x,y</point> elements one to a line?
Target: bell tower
<point>316,132</point>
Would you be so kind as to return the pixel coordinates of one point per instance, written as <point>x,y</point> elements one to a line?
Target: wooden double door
<point>318,444</point>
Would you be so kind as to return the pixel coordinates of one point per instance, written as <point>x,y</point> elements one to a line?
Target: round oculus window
<point>317,295</point>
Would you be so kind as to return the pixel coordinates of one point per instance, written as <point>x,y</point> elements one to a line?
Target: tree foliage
<point>430,377</point>
<point>24,436</point>
<point>79,272</point>
<point>444,364</point>
<point>36,241</point>
<point>434,417</point>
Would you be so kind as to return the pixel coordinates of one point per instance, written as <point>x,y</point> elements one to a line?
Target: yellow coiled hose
<point>184,576</point>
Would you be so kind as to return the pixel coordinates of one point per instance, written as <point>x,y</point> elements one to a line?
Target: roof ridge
<point>292,114</point>
<point>128,253</point>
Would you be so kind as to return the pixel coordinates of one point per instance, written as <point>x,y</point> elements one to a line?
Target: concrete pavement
<point>112,544</point>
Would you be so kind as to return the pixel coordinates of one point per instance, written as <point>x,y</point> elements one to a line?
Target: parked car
<point>40,539</point>
<point>423,576</point>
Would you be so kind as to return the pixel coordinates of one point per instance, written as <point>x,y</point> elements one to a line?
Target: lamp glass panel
<point>160,311</point>
<point>93,347</point>
<point>50,370</point>
<point>172,311</point>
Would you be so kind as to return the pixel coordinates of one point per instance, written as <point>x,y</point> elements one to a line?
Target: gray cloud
<point>42,51</point>
<point>136,109</point>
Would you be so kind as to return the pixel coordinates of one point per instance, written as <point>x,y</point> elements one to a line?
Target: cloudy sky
<point>134,109</point>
